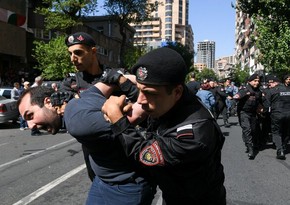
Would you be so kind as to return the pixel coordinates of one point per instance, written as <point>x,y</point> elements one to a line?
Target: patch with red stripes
<point>152,155</point>
<point>185,130</point>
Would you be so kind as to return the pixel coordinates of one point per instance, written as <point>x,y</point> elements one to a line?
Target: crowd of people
<point>131,148</point>
<point>148,128</point>
<point>262,108</point>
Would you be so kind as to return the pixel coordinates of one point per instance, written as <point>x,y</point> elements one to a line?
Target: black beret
<point>80,38</point>
<point>272,78</point>
<point>253,77</point>
<point>162,66</point>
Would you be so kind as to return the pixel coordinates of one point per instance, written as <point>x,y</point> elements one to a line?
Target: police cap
<point>80,38</point>
<point>162,66</point>
<point>253,77</point>
<point>272,78</point>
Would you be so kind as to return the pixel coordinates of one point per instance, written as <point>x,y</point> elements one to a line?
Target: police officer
<point>183,142</point>
<point>83,54</point>
<point>221,107</point>
<point>249,100</point>
<point>279,99</point>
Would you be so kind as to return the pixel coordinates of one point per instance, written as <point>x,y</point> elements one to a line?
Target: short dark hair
<point>37,95</point>
<point>192,75</point>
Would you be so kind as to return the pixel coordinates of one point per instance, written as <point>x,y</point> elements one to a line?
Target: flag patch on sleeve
<point>185,130</point>
<point>152,155</point>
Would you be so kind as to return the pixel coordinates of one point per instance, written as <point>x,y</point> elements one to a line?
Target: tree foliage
<point>206,73</point>
<point>62,14</point>
<point>240,76</point>
<point>272,36</point>
<point>53,58</point>
<point>132,55</point>
<point>126,12</point>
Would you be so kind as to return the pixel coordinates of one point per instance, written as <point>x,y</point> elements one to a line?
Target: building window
<point>168,13</point>
<point>102,50</point>
<point>42,34</point>
<point>168,19</point>
<point>168,1</point>
<point>168,8</point>
<point>168,25</point>
<point>168,32</point>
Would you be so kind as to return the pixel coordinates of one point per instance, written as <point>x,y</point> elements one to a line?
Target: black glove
<point>111,76</point>
<point>130,90</point>
<point>58,98</point>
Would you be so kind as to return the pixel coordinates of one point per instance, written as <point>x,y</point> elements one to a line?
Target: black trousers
<point>280,128</point>
<point>248,123</point>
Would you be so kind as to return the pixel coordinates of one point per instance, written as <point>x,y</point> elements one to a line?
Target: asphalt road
<point>49,170</point>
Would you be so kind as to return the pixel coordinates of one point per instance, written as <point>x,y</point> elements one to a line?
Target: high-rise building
<point>206,53</point>
<point>246,51</point>
<point>169,23</point>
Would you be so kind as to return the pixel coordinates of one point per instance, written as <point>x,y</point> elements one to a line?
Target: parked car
<point>8,110</point>
<point>6,92</point>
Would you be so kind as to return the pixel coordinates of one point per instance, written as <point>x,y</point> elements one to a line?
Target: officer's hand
<point>113,108</point>
<point>111,76</point>
<point>59,98</point>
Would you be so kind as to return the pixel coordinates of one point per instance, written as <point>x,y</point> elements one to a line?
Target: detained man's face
<point>45,118</point>
<point>156,100</point>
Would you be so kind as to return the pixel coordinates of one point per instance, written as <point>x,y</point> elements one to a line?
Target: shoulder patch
<point>152,155</point>
<point>185,130</point>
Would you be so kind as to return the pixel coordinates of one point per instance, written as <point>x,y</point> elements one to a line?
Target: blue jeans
<point>23,123</point>
<point>102,193</point>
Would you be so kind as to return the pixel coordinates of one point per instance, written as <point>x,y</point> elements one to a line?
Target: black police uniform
<point>183,155</point>
<point>220,107</point>
<point>182,148</point>
<point>247,105</point>
<point>279,98</point>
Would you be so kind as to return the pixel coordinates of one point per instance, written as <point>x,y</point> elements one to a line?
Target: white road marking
<point>36,153</point>
<point>31,197</point>
<point>4,144</point>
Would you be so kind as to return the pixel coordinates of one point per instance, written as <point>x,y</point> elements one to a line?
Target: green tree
<point>126,12</point>
<point>60,15</point>
<point>132,55</point>
<point>240,76</point>
<point>272,31</point>
<point>63,14</point>
<point>53,58</point>
<point>206,73</point>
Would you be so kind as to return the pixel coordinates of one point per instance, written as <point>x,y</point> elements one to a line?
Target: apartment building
<point>246,51</point>
<point>224,66</point>
<point>169,23</point>
<point>206,53</point>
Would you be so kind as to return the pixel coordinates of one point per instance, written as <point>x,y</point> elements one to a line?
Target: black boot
<point>227,124</point>
<point>251,153</point>
<point>280,154</point>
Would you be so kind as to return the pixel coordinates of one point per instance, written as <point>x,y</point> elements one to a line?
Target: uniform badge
<point>80,38</point>
<point>71,39</point>
<point>152,155</point>
<point>142,73</point>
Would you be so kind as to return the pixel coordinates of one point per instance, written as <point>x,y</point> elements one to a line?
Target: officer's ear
<point>178,90</point>
<point>94,49</point>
